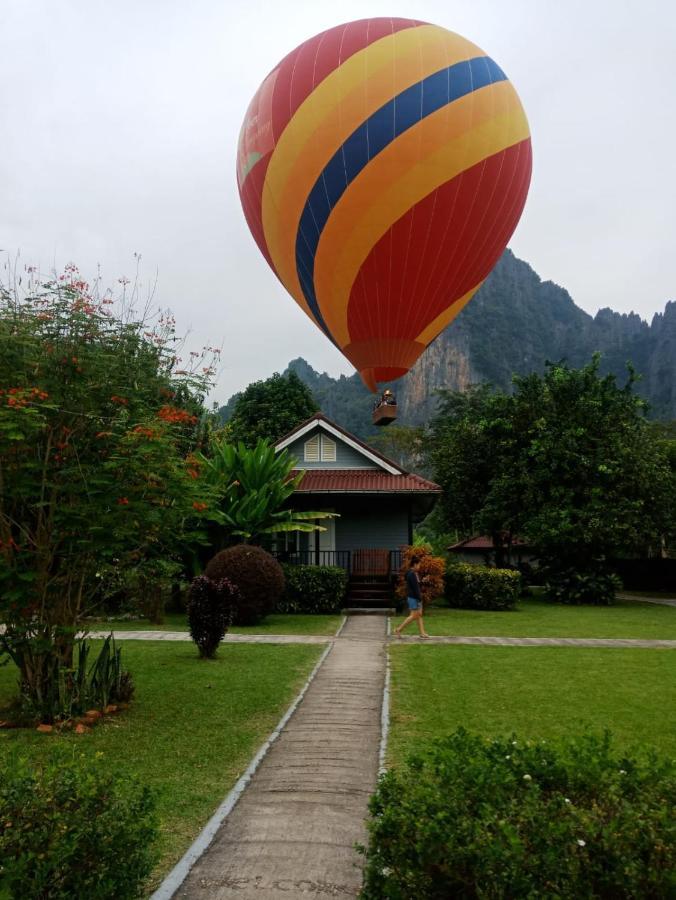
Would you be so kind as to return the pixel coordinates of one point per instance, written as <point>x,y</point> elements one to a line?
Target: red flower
<point>122,501</point>
<point>200,507</point>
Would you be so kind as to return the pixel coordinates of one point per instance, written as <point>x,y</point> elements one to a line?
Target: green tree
<point>270,409</point>
<point>470,443</point>
<point>253,487</point>
<point>98,427</point>
<point>568,462</point>
<point>402,443</point>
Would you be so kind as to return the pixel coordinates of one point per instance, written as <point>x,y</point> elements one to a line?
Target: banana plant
<point>253,486</point>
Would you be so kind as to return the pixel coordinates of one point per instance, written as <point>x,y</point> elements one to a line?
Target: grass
<point>537,618</point>
<point>532,691</point>
<point>278,623</point>
<point>193,728</point>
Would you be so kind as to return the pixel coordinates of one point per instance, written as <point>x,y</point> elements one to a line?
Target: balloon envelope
<point>382,167</point>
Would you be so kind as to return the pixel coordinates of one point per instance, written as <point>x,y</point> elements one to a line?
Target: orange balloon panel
<point>382,167</point>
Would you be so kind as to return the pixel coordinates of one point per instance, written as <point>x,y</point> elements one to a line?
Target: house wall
<point>372,529</point>
<point>370,522</point>
<point>346,457</point>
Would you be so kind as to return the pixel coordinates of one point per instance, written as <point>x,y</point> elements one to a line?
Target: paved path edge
<point>175,878</point>
<point>385,713</point>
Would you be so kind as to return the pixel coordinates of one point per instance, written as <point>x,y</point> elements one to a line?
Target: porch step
<point>368,611</point>
<point>369,602</point>
<point>383,593</point>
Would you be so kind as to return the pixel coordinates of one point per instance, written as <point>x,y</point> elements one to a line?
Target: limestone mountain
<point>515,324</point>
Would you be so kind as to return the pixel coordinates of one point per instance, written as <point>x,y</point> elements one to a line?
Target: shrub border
<point>173,881</point>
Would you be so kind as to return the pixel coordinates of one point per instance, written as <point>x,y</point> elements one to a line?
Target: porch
<point>372,573</point>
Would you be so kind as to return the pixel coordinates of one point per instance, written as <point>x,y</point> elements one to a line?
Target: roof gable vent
<point>328,449</point>
<point>311,449</point>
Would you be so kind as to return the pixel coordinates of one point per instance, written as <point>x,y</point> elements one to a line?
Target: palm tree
<point>253,485</point>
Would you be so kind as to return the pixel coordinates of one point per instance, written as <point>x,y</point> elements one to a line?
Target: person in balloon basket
<point>414,599</point>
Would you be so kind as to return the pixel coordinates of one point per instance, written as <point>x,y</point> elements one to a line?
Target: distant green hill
<point>515,324</point>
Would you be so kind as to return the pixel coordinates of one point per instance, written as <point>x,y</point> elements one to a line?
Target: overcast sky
<point>119,122</point>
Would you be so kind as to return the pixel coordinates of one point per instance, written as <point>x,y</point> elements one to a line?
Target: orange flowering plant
<point>430,573</point>
<point>98,436</point>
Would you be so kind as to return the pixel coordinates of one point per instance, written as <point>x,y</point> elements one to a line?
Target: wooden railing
<point>365,563</point>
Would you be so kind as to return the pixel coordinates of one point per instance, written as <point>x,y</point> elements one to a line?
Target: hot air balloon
<point>382,167</point>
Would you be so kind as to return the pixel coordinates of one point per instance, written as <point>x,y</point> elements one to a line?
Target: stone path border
<point>292,831</point>
<point>179,873</point>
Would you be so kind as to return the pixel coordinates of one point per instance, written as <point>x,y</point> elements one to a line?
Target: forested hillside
<point>515,324</point>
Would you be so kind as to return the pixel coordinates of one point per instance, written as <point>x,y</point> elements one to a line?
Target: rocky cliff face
<point>660,366</point>
<point>515,324</point>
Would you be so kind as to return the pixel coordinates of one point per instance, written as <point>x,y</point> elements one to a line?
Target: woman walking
<point>414,599</point>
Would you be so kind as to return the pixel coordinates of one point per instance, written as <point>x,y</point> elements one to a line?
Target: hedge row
<point>481,587</point>
<point>72,827</point>
<point>478,818</point>
<point>313,589</point>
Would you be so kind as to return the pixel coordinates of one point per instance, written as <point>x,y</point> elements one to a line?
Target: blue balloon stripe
<point>367,141</point>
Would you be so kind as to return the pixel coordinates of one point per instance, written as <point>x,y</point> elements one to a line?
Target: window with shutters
<point>312,449</point>
<point>328,449</point>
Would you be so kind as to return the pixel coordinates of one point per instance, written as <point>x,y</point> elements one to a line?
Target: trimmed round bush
<point>468,586</point>
<point>257,576</point>
<point>496,819</point>
<point>72,827</point>
<point>313,589</point>
<point>211,605</point>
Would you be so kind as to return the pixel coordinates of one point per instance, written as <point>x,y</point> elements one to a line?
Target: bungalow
<point>481,550</point>
<point>377,501</point>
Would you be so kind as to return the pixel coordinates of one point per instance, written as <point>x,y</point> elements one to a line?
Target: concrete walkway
<point>293,831</point>
<point>638,643</point>
<point>662,601</point>
<point>228,639</point>
<point>356,632</point>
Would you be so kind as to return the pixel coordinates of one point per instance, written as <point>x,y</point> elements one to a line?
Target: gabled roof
<point>320,420</point>
<point>362,481</point>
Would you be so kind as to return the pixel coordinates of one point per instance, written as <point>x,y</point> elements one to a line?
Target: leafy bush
<point>211,605</point>
<point>257,576</point>
<point>481,587</point>
<point>495,819</point>
<point>67,691</point>
<point>73,827</point>
<point>430,573</point>
<point>98,428</point>
<point>596,585</point>
<point>313,589</point>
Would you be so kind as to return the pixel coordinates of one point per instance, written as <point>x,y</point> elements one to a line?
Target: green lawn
<point>193,728</point>
<point>536,618</point>
<point>278,623</point>
<point>536,692</point>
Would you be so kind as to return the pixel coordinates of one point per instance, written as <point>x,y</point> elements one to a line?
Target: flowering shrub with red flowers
<point>98,466</point>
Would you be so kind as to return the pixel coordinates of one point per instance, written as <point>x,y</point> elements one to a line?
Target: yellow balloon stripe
<point>446,317</point>
<point>337,106</point>
<point>442,145</point>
